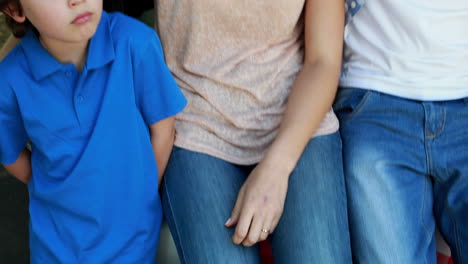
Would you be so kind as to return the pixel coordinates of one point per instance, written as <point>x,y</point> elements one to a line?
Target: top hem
<point>188,144</point>
<point>409,91</point>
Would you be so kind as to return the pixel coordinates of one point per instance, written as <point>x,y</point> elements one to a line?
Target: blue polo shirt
<point>93,193</point>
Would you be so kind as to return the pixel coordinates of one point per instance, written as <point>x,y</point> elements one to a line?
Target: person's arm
<point>21,168</point>
<point>261,199</point>
<point>8,46</point>
<point>15,156</point>
<point>162,140</point>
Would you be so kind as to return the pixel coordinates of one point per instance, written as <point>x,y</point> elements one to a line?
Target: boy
<point>97,104</point>
<point>403,108</point>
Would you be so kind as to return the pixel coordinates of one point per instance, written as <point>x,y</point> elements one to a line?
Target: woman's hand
<point>259,204</point>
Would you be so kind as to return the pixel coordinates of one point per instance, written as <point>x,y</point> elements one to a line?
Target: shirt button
<point>80,98</point>
<point>68,73</point>
<point>353,4</point>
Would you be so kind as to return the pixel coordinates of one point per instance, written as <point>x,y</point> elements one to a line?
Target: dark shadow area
<point>14,220</point>
<point>130,7</point>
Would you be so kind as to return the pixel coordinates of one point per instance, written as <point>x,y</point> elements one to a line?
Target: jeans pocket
<point>349,102</point>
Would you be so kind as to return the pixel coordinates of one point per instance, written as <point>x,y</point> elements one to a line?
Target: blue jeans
<point>199,191</point>
<point>406,171</point>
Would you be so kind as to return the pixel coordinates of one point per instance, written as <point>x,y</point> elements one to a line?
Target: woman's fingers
<point>243,225</point>
<point>266,229</point>
<point>253,236</point>
<point>237,210</point>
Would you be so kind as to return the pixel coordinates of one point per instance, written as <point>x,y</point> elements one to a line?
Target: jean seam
<point>426,228</point>
<point>174,221</point>
<point>358,108</point>
<point>457,239</point>
<point>427,143</point>
<point>442,127</point>
<point>427,147</point>
<point>458,247</point>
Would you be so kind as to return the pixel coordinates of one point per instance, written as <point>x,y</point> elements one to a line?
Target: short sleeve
<point>157,94</point>
<point>13,137</point>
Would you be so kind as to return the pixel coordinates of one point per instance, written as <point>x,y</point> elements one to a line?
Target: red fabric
<point>265,252</point>
<point>442,259</point>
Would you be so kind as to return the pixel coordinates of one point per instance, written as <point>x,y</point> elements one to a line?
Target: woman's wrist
<point>280,161</point>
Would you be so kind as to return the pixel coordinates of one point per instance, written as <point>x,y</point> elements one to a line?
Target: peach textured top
<point>235,61</point>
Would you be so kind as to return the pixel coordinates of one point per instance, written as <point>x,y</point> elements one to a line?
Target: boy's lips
<point>82,18</point>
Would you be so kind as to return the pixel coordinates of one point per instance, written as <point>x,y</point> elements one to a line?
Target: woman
<point>257,151</point>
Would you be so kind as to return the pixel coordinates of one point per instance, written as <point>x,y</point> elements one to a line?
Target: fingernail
<point>228,221</point>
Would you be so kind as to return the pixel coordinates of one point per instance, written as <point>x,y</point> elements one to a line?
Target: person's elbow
<point>163,131</point>
<point>19,172</point>
<point>21,168</point>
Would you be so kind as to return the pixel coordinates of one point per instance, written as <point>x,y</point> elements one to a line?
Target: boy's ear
<point>14,11</point>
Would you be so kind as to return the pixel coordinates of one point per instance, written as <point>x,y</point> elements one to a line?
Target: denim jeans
<point>199,191</point>
<point>406,171</point>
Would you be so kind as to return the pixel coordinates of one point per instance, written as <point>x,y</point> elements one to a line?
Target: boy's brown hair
<point>18,29</point>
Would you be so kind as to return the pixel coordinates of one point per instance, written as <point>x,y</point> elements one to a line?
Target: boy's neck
<point>66,53</point>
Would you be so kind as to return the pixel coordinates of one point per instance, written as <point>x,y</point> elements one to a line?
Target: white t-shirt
<point>415,49</point>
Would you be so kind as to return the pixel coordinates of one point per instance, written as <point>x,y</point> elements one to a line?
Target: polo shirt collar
<point>39,60</point>
<point>101,47</point>
<point>42,64</point>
